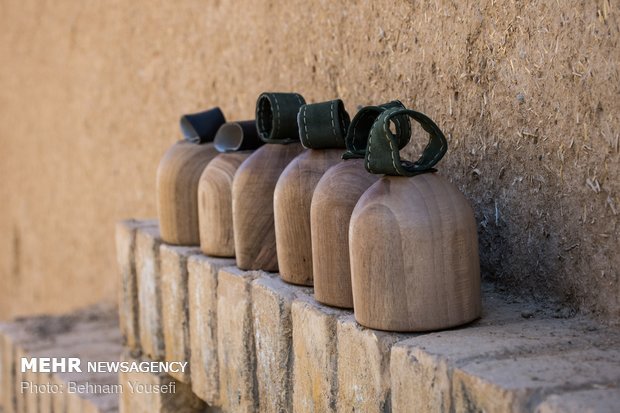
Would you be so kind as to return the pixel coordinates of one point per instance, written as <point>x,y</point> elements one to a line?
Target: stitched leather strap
<point>359,130</point>
<point>276,117</point>
<point>382,155</point>
<point>323,125</point>
<point>201,127</point>
<point>237,136</point>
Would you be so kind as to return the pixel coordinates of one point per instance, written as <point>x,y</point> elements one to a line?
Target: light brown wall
<point>527,92</point>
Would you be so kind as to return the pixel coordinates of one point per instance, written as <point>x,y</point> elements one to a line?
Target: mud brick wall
<point>526,91</point>
<point>258,344</point>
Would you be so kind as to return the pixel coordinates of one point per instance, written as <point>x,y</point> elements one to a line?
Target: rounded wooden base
<point>414,255</point>
<point>333,201</point>
<point>252,194</point>
<point>177,187</point>
<point>292,200</point>
<point>215,204</point>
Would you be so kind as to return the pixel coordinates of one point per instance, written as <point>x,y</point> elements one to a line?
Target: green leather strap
<point>359,130</point>
<point>323,125</point>
<point>276,117</point>
<point>382,154</point>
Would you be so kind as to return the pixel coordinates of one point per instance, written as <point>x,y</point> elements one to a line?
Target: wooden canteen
<point>322,127</point>
<point>236,140</point>
<point>333,201</point>
<point>178,174</point>
<point>256,178</point>
<point>413,240</point>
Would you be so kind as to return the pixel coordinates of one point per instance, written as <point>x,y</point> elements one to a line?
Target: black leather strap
<point>276,117</point>
<point>383,156</point>
<point>237,136</point>
<point>323,125</point>
<point>201,127</point>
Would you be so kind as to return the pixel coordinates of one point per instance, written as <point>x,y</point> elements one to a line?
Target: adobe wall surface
<point>527,93</point>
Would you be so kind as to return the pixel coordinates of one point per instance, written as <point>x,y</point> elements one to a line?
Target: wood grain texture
<point>292,200</point>
<point>252,192</point>
<point>177,191</point>
<point>215,217</point>
<point>333,201</point>
<point>414,255</point>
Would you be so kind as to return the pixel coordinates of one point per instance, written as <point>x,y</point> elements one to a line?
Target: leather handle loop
<point>323,125</point>
<point>201,127</point>
<point>383,152</point>
<point>359,130</point>
<point>237,136</point>
<point>276,117</point>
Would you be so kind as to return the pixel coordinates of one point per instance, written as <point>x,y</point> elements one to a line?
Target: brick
<point>33,401</point>
<point>7,374</point>
<point>202,297</point>
<point>59,400</point>
<point>87,406</point>
<point>22,400</point>
<point>75,403</point>
<point>94,401</point>
<point>419,381</point>
<point>273,338</point>
<point>4,369</point>
<point>45,399</point>
<point>315,371</point>
<point>424,368</point>
<point>128,293</point>
<point>148,273</point>
<point>363,367</point>
<point>235,341</point>
<point>175,314</point>
<point>89,401</point>
<point>91,334</point>
<point>181,400</point>
<point>597,400</point>
<point>422,378</point>
<point>512,384</point>
<point>102,403</point>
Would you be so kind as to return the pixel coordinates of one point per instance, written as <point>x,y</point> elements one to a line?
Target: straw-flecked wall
<point>527,93</point>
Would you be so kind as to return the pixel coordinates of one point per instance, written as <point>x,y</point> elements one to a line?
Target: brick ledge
<point>272,347</point>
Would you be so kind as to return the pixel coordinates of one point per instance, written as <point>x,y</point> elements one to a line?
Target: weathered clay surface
<point>526,92</point>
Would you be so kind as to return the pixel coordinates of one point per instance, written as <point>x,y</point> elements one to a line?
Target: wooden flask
<point>333,201</point>
<point>178,174</point>
<point>292,199</point>
<point>413,241</point>
<point>235,140</point>
<point>332,205</point>
<point>322,127</point>
<point>255,181</point>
